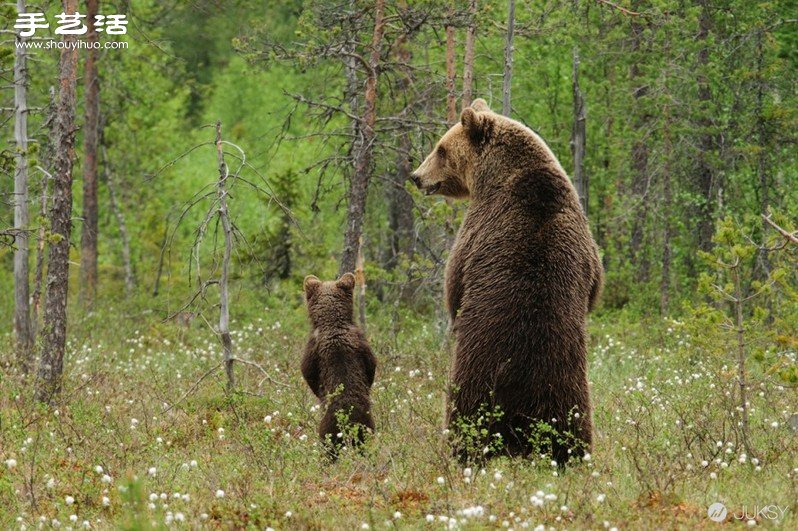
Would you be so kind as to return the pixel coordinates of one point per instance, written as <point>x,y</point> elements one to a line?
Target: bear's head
<point>449,168</point>
<point>485,148</point>
<point>330,303</point>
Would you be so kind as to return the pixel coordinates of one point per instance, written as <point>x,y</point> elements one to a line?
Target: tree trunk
<point>665,281</point>
<point>130,279</point>
<point>400,202</point>
<point>88,239</point>
<point>55,317</point>
<point>41,238</point>
<point>762,156</point>
<point>224,297</point>
<point>707,142</point>
<point>639,160</point>
<point>578,138</point>
<point>468,60</point>
<point>363,156</point>
<point>451,94</point>
<point>22,321</point>
<point>46,159</point>
<point>508,59</point>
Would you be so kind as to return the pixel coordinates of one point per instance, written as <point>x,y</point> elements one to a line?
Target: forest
<point>172,171</point>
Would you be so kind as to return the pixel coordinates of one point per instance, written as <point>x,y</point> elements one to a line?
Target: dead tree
<point>578,138</point>
<point>508,59</point>
<point>468,60</point>
<point>22,320</point>
<point>55,316</point>
<point>365,147</point>
<point>116,208</point>
<point>88,238</point>
<point>218,213</point>
<point>224,296</point>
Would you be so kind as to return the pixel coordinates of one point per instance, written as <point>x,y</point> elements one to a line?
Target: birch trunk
<point>55,316</point>
<point>22,321</point>
<point>116,208</point>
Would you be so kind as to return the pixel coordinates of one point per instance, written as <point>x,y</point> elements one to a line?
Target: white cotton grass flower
<point>220,493</point>
<point>11,464</point>
<point>69,500</point>
<point>152,471</point>
<point>441,481</point>
<point>601,497</point>
<point>98,469</point>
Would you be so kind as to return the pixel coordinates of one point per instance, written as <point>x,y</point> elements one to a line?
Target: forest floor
<point>141,440</point>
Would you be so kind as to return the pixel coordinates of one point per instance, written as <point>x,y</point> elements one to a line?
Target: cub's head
<point>449,168</point>
<point>330,303</point>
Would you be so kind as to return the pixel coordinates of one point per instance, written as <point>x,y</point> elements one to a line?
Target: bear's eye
<point>441,152</point>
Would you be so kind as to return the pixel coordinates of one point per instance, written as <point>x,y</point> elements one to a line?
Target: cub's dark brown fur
<point>338,364</point>
<point>521,277</point>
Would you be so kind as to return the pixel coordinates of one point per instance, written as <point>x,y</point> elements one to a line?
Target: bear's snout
<point>416,180</point>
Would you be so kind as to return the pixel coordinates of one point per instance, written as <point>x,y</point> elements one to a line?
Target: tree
<point>578,137</point>
<point>22,320</point>
<point>363,166</point>
<point>451,92</point>
<point>641,173</point>
<point>468,60</point>
<point>55,316</point>
<point>88,239</point>
<point>508,59</point>
<point>224,294</point>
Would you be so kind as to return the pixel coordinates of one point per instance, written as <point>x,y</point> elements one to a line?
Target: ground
<point>137,443</point>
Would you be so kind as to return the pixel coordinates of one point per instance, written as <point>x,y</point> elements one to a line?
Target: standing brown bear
<point>521,277</point>
<point>338,364</point>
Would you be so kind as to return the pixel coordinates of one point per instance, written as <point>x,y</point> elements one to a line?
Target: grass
<point>129,446</point>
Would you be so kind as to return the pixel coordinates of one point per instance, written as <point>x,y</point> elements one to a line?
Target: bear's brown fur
<point>520,279</point>
<point>338,364</point>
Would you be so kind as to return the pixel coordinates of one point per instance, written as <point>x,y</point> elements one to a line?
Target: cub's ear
<point>346,282</point>
<point>480,105</point>
<point>476,126</point>
<point>311,285</point>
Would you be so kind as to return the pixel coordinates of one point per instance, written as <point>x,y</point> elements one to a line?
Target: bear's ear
<point>346,282</point>
<point>474,125</point>
<point>311,285</point>
<point>480,105</point>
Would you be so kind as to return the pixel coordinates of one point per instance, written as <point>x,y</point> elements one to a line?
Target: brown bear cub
<point>338,364</point>
<point>520,279</point>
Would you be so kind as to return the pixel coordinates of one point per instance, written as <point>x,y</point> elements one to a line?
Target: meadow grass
<point>136,443</point>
